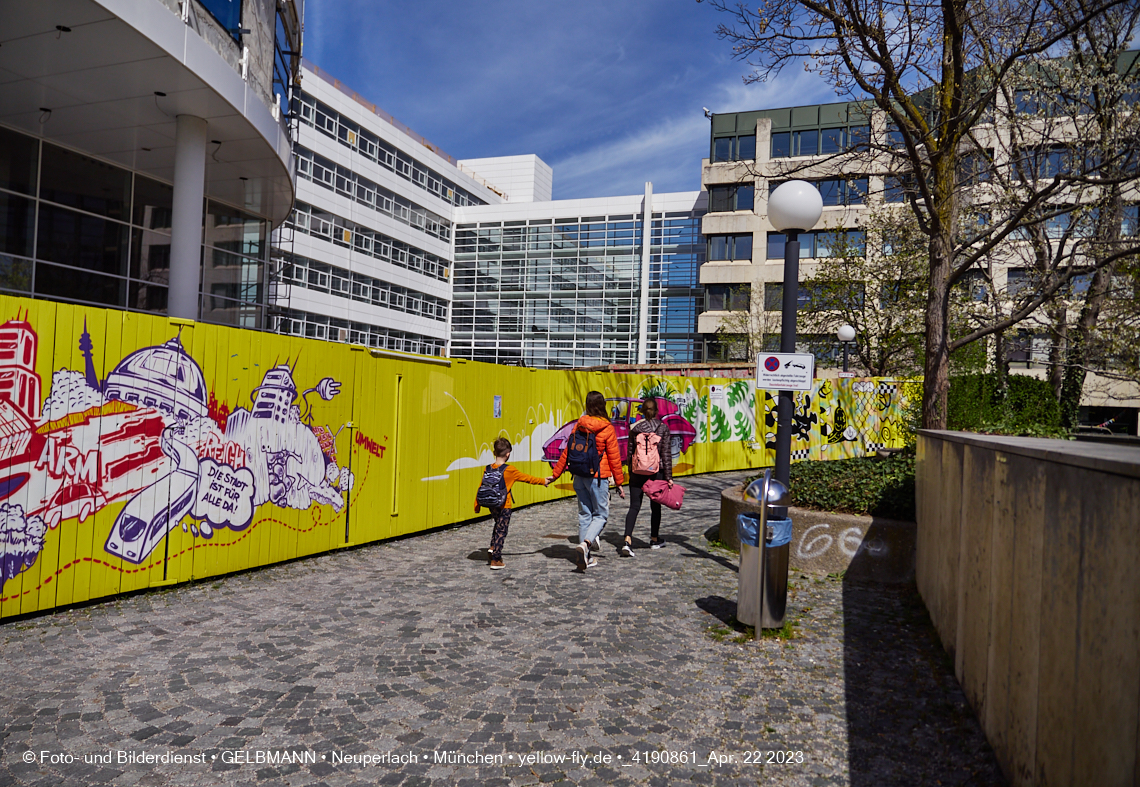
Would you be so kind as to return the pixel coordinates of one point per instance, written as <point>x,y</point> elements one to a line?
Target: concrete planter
<point>866,547</point>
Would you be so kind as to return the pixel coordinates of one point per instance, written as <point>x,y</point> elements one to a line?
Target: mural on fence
<point>138,451</point>
<point>150,434</point>
<point>839,419</point>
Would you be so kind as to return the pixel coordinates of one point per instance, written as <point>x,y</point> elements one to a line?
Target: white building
<point>371,255</point>
<point>584,282</point>
<point>129,127</point>
<point>366,256</point>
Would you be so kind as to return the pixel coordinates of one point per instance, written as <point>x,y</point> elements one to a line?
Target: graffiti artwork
<point>150,434</point>
<point>623,415</point>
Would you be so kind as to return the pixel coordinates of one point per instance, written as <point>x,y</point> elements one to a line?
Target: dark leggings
<point>499,534</point>
<point>635,494</point>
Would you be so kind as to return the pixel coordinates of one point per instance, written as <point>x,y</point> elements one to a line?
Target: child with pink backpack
<point>650,459</point>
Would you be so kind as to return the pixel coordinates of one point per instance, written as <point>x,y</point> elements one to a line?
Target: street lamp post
<point>793,207</point>
<point>846,335</point>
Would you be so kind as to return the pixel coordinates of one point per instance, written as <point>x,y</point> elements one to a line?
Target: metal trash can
<point>764,605</point>
<point>748,529</point>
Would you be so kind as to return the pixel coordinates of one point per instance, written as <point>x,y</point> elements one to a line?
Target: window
<point>1042,163</point>
<point>831,140</point>
<point>781,144</point>
<point>730,198</point>
<point>726,297</point>
<point>837,191</point>
<point>741,148</point>
<point>730,247</point>
<point>805,143</point>
<point>815,297</point>
<point>19,155</point>
<point>1130,226</point>
<point>228,14</point>
<point>84,184</point>
<point>899,188</point>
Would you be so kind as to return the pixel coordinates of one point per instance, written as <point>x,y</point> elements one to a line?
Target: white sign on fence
<point>785,371</point>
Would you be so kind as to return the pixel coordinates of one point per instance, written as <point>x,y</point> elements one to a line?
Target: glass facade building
<point>78,229</point>
<point>565,290</point>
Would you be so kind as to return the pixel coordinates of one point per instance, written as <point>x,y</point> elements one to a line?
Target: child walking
<point>495,493</point>
<point>593,457</point>
<point>650,458</point>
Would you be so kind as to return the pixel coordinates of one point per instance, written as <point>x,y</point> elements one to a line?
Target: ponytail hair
<point>596,405</point>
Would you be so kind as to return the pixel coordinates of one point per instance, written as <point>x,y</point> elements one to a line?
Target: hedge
<point>878,486</point>
<point>1027,406</point>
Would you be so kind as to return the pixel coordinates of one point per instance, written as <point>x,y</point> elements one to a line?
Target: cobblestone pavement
<point>414,649</point>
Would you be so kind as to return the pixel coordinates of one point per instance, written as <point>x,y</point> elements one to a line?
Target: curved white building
<point>145,152</point>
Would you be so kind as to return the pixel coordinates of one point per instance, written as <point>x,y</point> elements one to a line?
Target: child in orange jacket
<point>502,514</point>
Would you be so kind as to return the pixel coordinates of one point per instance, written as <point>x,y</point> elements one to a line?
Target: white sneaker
<point>627,549</point>
<point>584,560</point>
<point>597,545</point>
<point>591,562</point>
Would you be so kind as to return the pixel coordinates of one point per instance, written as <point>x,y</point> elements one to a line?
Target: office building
<point>145,152</point>
<point>580,282</point>
<point>366,255</point>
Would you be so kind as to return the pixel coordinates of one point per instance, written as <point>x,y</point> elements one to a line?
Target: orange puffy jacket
<point>606,438</point>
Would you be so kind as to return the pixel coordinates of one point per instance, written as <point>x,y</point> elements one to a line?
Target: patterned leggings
<point>499,534</point>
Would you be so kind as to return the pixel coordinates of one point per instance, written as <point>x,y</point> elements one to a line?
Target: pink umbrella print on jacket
<point>623,414</point>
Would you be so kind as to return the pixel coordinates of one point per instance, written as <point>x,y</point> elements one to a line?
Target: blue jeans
<point>593,506</point>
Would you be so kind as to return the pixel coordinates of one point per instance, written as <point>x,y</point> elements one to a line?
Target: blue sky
<point>608,93</point>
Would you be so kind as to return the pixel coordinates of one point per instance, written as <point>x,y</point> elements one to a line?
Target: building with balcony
<point>145,152</point>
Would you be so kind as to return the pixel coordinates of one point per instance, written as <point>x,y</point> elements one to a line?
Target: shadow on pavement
<point>723,609</point>
<point>908,722</point>
<point>683,542</point>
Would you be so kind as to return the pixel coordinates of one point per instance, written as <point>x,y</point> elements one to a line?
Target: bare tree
<point>945,74</point>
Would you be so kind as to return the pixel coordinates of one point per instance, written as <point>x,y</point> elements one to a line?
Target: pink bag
<point>661,492</point>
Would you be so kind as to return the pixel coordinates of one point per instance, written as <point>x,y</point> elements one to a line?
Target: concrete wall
<point>1027,561</point>
<point>865,547</point>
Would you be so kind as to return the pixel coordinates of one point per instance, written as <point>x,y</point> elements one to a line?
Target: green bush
<point>868,485</point>
<point>1027,406</point>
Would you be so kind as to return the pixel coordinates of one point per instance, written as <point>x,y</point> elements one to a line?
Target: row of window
<point>834,243</point>
<point>819,141</point>
<point>489,240</point>
<point>313,275</point>
<point>318,326</point>
<point>350,235</point>
<point>562,316</point>
<point>542,275</point>
<point>332,123</point>
<point>347,183</point>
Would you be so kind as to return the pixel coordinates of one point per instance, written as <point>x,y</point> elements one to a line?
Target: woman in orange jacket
<point>594,490</point>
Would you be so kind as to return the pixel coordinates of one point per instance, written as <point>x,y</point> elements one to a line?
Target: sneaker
<point>656,543</point>
<point>591,562</point>
<point>496,564</point>
<point>597,545</point>
<point>584,557</point>
<point>627,549</point>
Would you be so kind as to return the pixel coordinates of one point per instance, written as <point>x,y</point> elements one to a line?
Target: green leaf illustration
<point>743,427</point>
<point>720,430</point>
<point>737,392</point>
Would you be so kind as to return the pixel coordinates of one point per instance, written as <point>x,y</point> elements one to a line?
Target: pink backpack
<point>646,458</point>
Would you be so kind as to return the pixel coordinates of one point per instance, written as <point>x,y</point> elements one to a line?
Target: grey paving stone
<point>414,647</point>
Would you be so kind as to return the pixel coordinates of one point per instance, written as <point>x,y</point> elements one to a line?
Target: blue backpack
<point>582,454</point>
<point>493,489</point>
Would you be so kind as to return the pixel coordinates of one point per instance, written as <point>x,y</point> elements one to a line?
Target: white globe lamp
<point>846,335</point>
<point>795,206</point>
